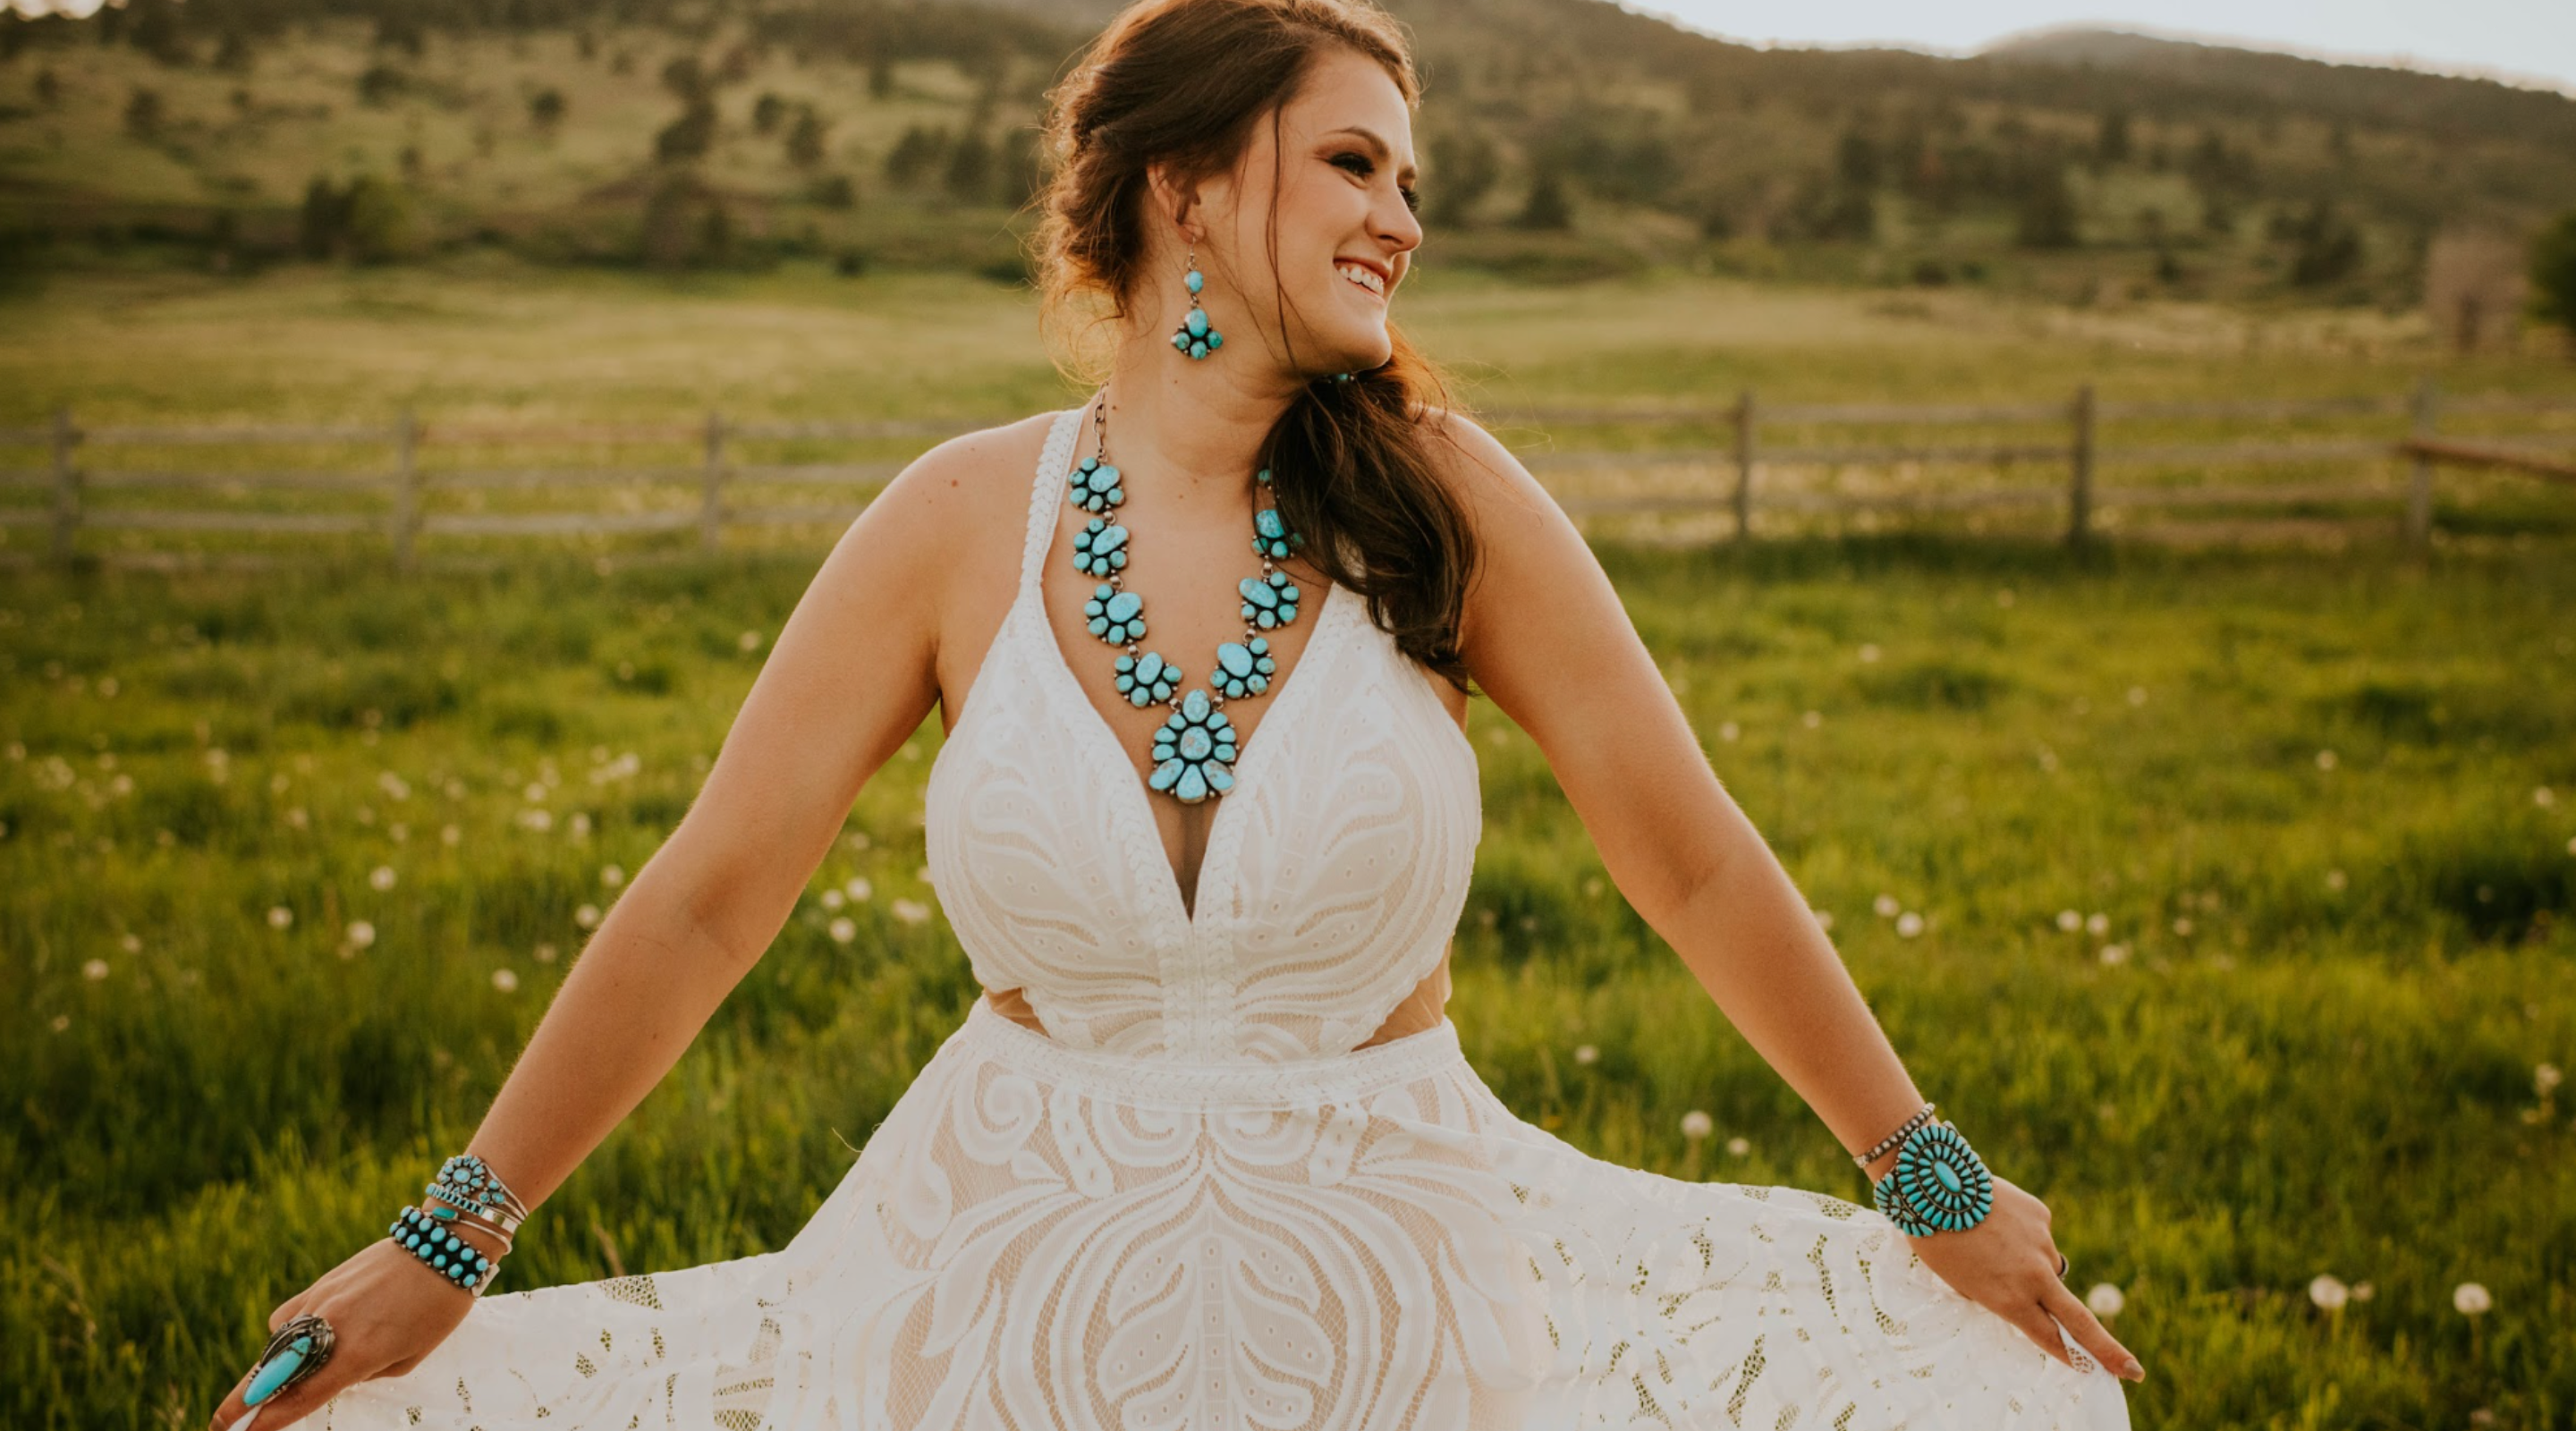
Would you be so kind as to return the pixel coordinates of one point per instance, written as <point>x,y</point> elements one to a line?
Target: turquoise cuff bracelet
<point>425,1236</point>
<point>1939,1184</point>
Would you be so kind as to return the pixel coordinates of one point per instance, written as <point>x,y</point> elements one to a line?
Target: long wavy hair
<point>1183,82</point>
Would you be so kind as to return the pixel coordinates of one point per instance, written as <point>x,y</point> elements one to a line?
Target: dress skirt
<point>1042,1238</point>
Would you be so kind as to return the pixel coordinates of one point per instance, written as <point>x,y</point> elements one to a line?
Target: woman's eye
<point>1363,166</point>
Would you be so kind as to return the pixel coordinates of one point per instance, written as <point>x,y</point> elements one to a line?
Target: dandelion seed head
<point>2335,880</point>
<point>2471,1299</point>
<point>1886,905</point>
<point>1868,653</point>
<point>280,916</point>
<point>2069,920</point>
<point>94,970</point>
<point>911,911</point>
<point>450,835</point>
<point>587,916</point>
<point>2182,926</point>
<point>2544,1079</point>
<point>2104,1300</point>
<point>1586,1054</point>
<point>361,934</point>
<point>1696,1124</point>
<point>612,875</point>
<point>381,877</point>
<point>133,944</point>
<point>1812,719</point>
<point>2097,923</point>
<point>1729,730</point>
<point>506,980</point>
<point>2115,953</point>
<point>749,640</point>
<point>834,899</point>
<point>858,888</point>
<point>545,953</point>
<point>1909,924</point>
<point>2326,760</point>
<point>61,1022</point>
<point>2327,1292</point>
<point>843,930</point>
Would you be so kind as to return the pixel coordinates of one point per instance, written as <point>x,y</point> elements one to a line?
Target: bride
<point>1207,1154</point>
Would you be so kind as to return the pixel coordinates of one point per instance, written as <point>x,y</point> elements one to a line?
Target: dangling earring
<point>1195,337</point>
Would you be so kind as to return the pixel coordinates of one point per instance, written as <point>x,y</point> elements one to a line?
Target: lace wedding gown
<point>1195,1202</point>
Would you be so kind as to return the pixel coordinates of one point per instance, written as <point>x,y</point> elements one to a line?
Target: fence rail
<point>1742,462</point>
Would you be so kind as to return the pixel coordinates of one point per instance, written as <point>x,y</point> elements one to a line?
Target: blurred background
<point>2104,496</point>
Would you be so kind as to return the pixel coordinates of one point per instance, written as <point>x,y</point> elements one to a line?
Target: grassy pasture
<point>2314,817</point>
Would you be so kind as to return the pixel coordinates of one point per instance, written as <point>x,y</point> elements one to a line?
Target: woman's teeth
<point>1365,278</point>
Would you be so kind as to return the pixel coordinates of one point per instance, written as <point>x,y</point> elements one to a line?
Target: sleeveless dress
<point>1194,1203</point>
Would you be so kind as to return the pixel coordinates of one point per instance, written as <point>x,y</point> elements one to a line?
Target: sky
<point>2525,42</point>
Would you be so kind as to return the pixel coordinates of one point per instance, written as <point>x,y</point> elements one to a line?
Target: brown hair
<point>1182,82</point>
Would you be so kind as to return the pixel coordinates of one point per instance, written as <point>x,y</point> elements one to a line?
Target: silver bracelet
<point>1921,1116</point>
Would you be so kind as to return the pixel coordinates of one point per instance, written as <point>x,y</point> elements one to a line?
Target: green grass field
<point>2313,818</point>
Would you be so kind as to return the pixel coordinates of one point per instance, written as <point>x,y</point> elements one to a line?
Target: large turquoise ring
<point>1939,1184</point>
<point>296,1352</point>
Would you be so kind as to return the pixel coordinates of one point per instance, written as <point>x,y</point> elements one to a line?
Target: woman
<point>1207,1155</point>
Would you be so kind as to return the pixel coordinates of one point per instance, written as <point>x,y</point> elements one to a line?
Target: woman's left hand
<point>2008,1265</point>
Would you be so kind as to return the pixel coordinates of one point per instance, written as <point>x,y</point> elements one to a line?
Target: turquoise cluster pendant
<point>1196,747</point>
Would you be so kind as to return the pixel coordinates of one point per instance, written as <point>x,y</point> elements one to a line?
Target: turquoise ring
<point>296,1352</point>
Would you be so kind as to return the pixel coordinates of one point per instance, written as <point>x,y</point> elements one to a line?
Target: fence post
<point>406,489</point>
<point>2079,486</point>
<point>711,488</point>
<point>1744,453</point>
<point>67,493</point>
<point>2419,484</point>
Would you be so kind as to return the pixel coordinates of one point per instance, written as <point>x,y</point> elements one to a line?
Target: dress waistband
<point>1157,1081</point>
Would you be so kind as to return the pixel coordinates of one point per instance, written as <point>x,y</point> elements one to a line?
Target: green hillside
<point>1559,137</point>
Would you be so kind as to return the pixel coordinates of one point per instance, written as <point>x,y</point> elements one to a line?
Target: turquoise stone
<point>1949,1178</point>
<point>1198,350</point>
<point>1196,744</point>
<point>1197,322</point>
<point>1236,660</point>
<point>1164,774</point>
<point>1194,706</point>
<point>1192,787</point>
<point>273,1376</point>
<point>1196,280</point>
<point>1215,341</point>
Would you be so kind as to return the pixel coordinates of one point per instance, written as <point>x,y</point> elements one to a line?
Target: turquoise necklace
<point>1196,746</point>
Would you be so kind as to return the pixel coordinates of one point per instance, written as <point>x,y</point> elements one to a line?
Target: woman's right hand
<point>386,1312</point>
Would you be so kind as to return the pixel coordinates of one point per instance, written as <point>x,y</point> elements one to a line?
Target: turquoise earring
<point>1195,337</point>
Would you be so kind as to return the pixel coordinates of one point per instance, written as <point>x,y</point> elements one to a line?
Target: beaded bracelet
<point>1921,1116</point>
<point>442,1251</point>
<point>1939,1184</point>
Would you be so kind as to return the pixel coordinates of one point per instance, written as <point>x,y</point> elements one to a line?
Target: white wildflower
<point>94,970</point>
<point>2182,926</point>
<point>545,953</point>
<point>505,980</point>
<point>2472,1299</point>
<point>450,835</point>
<point>280,916</point>
<point>2335,880</point>
<point>2115,953</point>
<point>612,875</point>
<point>2545,1078</point>
<point>362,935</point>
<point>2325,760</point>
<point>911,911</point>
<point>382,877</point>
<point>2104,1300</point>
<point>749,640</point>
<point>587,916</point>
<point>1909,924</point>
<point>834,899</point>
<point>843,930</point>
<point>2326,1292</point>
<point>2069,920</point>
<point>1587,1054</point>
<point>858,888</point>
<point>2097,923</point>
<point>1729,731</point>
<point>1738,1147</point>
<point>1697,1125</point>
<point>1886,905</point>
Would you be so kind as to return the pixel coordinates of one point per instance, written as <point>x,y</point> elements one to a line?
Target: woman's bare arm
<point>1546,637</point>
<point>847,681</point>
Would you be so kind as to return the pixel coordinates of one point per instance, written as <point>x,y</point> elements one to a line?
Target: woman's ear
<point>1175,201</point>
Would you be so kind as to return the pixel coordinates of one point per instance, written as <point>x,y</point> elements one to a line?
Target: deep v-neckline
<point>1134,801</point>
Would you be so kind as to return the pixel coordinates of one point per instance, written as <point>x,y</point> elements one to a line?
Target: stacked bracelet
<point>1939,1184</point>
<point>1921,1116</point>
<point>467,1192</point>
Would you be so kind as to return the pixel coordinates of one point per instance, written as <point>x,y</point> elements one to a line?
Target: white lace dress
<point>1195,1202</point>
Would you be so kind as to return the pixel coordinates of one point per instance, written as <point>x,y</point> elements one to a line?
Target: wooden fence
<point>1735,475</point>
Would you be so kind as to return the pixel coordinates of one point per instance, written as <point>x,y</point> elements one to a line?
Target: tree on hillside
<point>2111,140</point>
<point>970,167</point>
<point>914,153</point>
<point>1547,206</point>
<point>1464,168</point>
<point>805,142</point>
<point>143,113</point>
<point>2044,216</point>
<point>1856,160</point>
<point>546,108</point>
<point>2326,249</point>
<point>2553,276</point>
<point>689,136</point>
<point>766,112</point>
